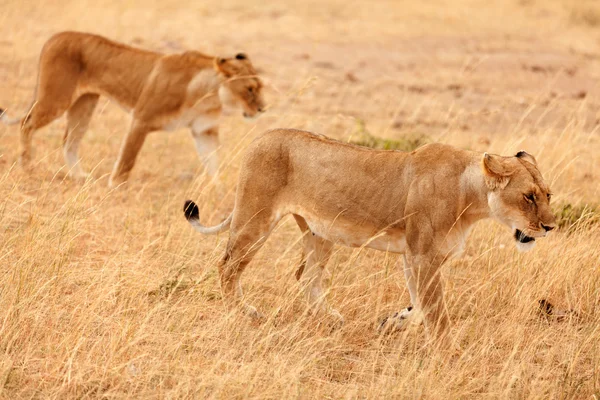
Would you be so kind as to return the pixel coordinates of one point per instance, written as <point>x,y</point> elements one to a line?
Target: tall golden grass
<point>110,294</point>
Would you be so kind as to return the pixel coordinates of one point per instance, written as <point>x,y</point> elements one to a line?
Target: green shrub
<point>362,137</point>
<point>570,218</point>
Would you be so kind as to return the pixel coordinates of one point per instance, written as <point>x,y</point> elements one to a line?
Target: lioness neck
<point>205,82</point>
<point>474,192</point>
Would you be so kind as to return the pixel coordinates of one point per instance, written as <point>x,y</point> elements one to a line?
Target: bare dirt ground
<point>111,294</point>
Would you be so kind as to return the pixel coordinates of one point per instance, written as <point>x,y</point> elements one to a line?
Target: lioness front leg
<point>129,150</point>
<point>206,138</point>
<point>423,277</point>
<point>426,271</point>
<point>411,315</point>
<point>424,258</point>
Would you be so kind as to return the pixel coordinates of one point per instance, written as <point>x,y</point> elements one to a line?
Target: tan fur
<point>421,204</point>
<point>161,92</point>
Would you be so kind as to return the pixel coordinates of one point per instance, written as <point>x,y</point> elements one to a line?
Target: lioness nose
<point>548,228</point>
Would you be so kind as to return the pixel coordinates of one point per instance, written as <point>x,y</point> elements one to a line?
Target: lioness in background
<point>162,92</point>
<point>421,204</point>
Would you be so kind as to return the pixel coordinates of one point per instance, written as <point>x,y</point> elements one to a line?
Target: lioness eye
<point>549,196</point>
<point>530,197</point>
<point>251,89</point>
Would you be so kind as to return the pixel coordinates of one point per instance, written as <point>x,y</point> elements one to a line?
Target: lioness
<point>162,91</point>
<point>421,204</point>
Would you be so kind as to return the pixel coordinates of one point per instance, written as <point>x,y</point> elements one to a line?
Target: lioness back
<point>300,153</point>
<point>100,65</point>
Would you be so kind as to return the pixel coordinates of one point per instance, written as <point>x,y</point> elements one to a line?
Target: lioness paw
<point>115,181</point>
<point>78,176</point>
<point>25,161</point>
<point>252,312</point>
<point>335,319</point>
<point>399,321</point>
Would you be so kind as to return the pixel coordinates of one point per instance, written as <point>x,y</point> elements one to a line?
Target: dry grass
<point>585,12</point>
<point>111,294</point>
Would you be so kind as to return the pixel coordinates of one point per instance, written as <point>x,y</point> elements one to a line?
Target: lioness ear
<point>221,66</point>
<point>523,155</point>
<point>495,172</point>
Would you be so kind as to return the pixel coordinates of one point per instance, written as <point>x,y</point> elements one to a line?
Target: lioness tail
<point>192,214</point>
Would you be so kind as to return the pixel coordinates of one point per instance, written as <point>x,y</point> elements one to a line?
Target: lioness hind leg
<point>305,231</point>
<point>244,242</point>
<point>316,254</point>
<point>57,83</point>
<point>40,115</point>
<point>78,120</point>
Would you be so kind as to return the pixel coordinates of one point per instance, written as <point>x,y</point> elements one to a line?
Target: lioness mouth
<point>523,238</point>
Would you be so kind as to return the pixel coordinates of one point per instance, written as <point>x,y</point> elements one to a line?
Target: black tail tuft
<point>191,211</point>
<point>546,308</point>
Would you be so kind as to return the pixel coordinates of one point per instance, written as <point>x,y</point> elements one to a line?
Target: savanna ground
<point>110,293</point>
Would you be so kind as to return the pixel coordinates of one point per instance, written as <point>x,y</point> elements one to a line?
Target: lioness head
<point>519,198</point>
<point>240,86</point>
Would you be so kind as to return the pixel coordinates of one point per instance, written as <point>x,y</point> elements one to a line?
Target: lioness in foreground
<point>161,92</point>
<point>421,204</point>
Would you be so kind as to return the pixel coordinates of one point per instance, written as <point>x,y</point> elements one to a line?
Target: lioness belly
<point>358,235</point>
